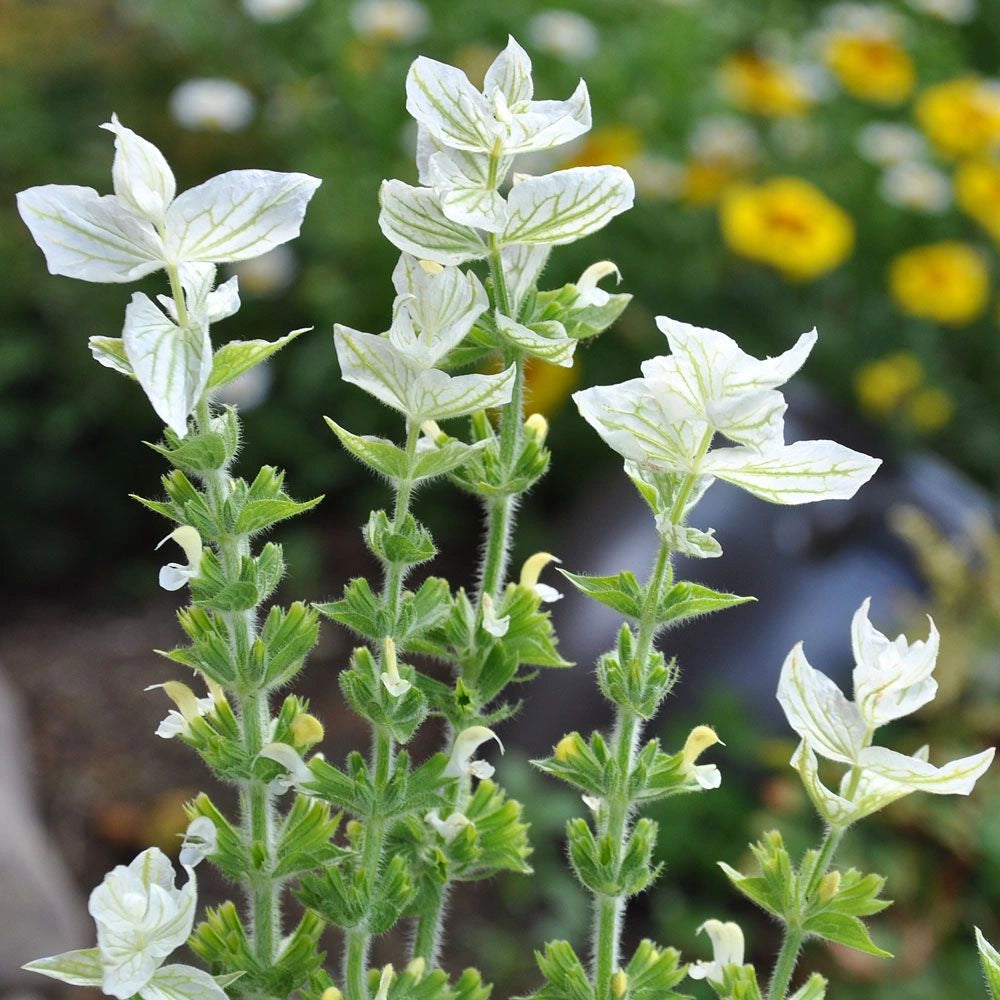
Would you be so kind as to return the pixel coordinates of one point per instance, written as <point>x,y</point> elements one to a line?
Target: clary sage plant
<point>376,841</point>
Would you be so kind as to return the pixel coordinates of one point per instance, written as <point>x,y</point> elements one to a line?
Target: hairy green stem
<point>784,966</point>
<point>256,806</point>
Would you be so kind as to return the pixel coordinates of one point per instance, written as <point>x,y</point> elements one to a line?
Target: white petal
<point>511,74</point>
<point>142,177</point>
<point>818,710</point>
<point>396,686</point>
<point>290,760</point>
<point>171,363</point>
<point>707,775</point>
<point>545,124</point>
<point>547,340</point>
<point>201,840</point>
<point>237,215</point>
<point>441,99</point>
<point>491,623</point>
<point>549,595</point>
<point>78,968</point>
<point>413,220</point>
<point>803,472</point>
<point>466,744</point>
<point>89,237</point>
<point>566,205</point>
<point>182,982</point>
<point>173,576</point>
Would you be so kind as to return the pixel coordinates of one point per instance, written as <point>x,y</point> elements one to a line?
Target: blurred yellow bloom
<point>871,68</point>
<point>977,191</point>
<point>789,224</point>
<point>616,145</point>
<point>894,385</point>
<point>946,282</point>
<point>929,409</point>
<point>723,149</point>
<point>757,83</point>
<point>881,385</point>
<point>547,386</point>
<point>703,182</point>
<point>961,117</point>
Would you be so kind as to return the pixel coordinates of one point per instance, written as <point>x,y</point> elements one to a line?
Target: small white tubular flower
<point>667,420</point>
<point>213,105</point>
<point>173,576</point>
<point>491,623</point>
<point>396,686</point>
<point>892,678</point>
<point>502,119</point>
<point>727,949</point>
<point>467,743</point>
<point>447,829</point>
<point>587,290</point>
<point>141,918</point>
<point>530,572</point>
<point>189,707</point>
<point>699,740</point>
<point>290,759</point>
<point>143,227</point>
<point>201,840</point>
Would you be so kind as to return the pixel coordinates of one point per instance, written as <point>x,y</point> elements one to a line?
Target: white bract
<point>666,421</point>
<point>145,227</point>
<point>467,743</point>
<point>141,918</point>
<point>434,310</point>
<point>466,144</point>
<point>892,678</point>
<point>727,949</point>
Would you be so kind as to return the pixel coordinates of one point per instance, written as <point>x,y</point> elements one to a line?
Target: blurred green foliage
<point>330,101</point>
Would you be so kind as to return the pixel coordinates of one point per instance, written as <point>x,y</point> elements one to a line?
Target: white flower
<point>142,227</point>
<point>725,139</point>
<point>394,21</point>
<point>727,949</point>
<point>272,11</point>
<point>201,840</point>
<point>667,420</point>
<point>587,291</point>
<point>189,708</point>
<point>391,680</point>
<point>916,186</point>
<point>141,918</point>
<point>467,743</point>
<point>173,576</point>
<point>699,740</point>
<point>289,758</point>
<point>886,143</point>
<point>491,623</point>
<point>447,829</point>
<point>530,572</point>
<point>892,678</point>
<point>212,105</point>
<point>564,34</point>
<point>954,11</point>
<point>269,274</point>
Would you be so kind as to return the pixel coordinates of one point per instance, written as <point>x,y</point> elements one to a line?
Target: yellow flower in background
<point>764,86</point>
<point>880,386</point>
<point>703,182</point>
<point>946,282</point>
<point>547,386</point>
<point>894,385</point>
<point>961,117</point>
<point>977,191</point>
<point>617,145</point>
<point>723,149</point>
<point>870,68</point>
<point>787,223</point>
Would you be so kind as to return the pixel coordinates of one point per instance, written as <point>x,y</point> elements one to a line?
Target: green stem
<point>785,964</point>
<point>395,572</point>
<point>253,710</point>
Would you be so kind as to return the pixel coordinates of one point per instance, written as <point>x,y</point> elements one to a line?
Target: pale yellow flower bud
<point>699,739</point>
<point>619,984</point>
<point>332,993</point>
<point>566,748</point>
<point>537,426</point>
<point>828,887</point>
<point>307,730</point>
<point>431,266</point>
<point>417,968</point>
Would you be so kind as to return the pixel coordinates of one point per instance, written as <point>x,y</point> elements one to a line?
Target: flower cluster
<point>892,679</point>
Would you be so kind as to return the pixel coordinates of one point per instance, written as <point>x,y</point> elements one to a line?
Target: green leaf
<point>621,592</point>
<point>990,959</point>
<point>653,972</point>
<point>359,609</point>
<point>239,356</point>
<point>259,515</point>
<point>443,458</point>
<point>378,453</point>
<point>565,977</point>
<point>197,452</point>
<point>845,930</point>
<point>688,600</point>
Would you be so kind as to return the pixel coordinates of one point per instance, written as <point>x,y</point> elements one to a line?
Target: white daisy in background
<point>272,11</point>
<point>396,22</point>
<point>916,186</point>
<point>212,105</point>
<point>886,143</point>
<point>564,34</point>
<point>953,11</point>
